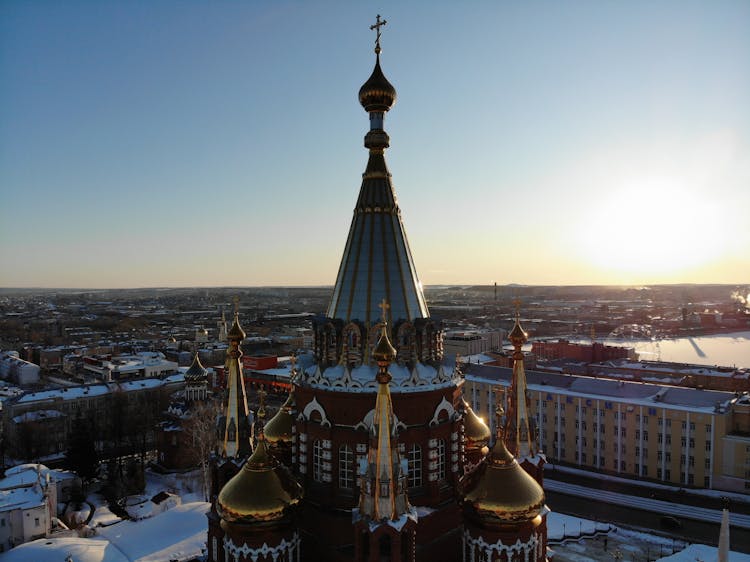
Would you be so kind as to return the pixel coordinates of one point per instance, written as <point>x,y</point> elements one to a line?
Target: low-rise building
<point>682,436</point>
<point>141,365</point>
<point>472,342</point>
<point>16,370</point>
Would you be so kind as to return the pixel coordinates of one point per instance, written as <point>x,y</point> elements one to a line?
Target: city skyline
<point>186,144</point>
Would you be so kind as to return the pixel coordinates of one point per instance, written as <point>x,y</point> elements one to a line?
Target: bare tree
<point>200,433</point>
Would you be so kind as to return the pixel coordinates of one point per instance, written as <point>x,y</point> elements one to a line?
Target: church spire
<point>383,494</point>
<point>236,427</point>
<point>520,429</point>
<point>377,262</point>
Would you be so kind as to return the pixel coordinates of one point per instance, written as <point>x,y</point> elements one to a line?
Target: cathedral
<point>376,455</point>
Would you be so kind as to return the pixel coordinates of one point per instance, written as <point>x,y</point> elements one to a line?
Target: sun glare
<point>649,228</point>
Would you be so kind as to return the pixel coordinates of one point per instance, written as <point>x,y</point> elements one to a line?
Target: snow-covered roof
<point>25,497</point>
<point>56,549</point>
<point>26,475</point>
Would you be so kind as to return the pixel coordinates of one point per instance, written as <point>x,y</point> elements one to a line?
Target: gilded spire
<point>279,428</point>
<point>520,436</point>
<point>237,431</point>
<point>377,262</point>
<point>383,494</point>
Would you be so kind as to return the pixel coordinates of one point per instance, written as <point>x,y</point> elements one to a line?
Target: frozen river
<point>726,350</point>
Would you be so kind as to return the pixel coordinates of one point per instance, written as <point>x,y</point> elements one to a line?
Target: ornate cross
<point>384,306</point>
<point>236,305</point>
<point>376,26</point>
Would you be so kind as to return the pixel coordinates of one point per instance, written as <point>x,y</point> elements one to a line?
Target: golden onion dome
<point>501,491</point>
<point>384,352</point>
<point>517,336</point>
<point>476,433</point>
<point>260,492</point>
<point>196,372</point>
<point>279,428</point>
<point>377,94</point>
<point>236,333</point>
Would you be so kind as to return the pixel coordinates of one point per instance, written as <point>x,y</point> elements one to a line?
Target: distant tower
<point>257,508</point>
<point>520,429</point>
<point>221,326</point>
<point>384,522</point>
<point>234,430</point>
<point>504,513</point>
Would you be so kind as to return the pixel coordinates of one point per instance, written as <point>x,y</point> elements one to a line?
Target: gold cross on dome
<point>376,26</point>
<point>236,305</point>
<point>517,303</point>
<point>384,306</point>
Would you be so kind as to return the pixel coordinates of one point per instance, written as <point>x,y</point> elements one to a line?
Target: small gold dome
<point>384,352</point>
<point>476,433</point>
<point>377,94</point>
<point>261,491</point>
<point>196,372</point>
<point>236,333</point>
<point>501,491</point>
<point>517,336</point>
<point>279,428</point>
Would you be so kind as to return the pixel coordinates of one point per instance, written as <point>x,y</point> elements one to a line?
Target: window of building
<point>623,432</point>
<point>684,425</point>
<point>706,481</point>
<point>614,464</point>
<point>645,419</point>
<point>659,438</point>
<point>668,438</point>
<point>583,458</point>
<point>658,473</point>
<point>707,463</point>
<point>683,440</point>
<point>583,425</point>
<point>346,466</point>
<point>414,458</point>
<point>692,442</point>
<point>441,459</point>
<point>708,429</point>
<point>682,460</point>
<point>645,435</point>
<point>623,466</point>
<point>667,457</point>
<point>637,433</point>
<point>601,461</point>
<point>691,460</point>
<point>708,445</point>
<point>667,474</point>
<point>36,521</point>
<point>317,461</point>
<point>692,426</point>
<point>637,451</point>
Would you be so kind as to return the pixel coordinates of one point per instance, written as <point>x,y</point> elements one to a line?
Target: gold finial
<point>384,306</point>
<point>236,301</point>
<point>376,26</point>
<point>262,403</point>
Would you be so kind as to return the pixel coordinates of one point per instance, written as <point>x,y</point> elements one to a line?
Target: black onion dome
<point>196,372</point>
<point>377,94</point>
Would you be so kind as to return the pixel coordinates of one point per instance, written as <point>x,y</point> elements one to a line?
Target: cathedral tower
<point>376,289</point>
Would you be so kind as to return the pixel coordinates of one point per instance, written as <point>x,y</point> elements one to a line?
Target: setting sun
<point>648,226</point>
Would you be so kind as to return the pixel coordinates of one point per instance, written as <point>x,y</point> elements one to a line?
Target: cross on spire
<point>236,305</point>
<point>384,306</point>
<point>517,303</point>
<point>376,26</point>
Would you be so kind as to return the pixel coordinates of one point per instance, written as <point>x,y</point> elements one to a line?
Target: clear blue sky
<point>220,143</point>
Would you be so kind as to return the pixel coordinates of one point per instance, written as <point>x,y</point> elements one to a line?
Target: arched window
<point>441,459</point>
<point>414,459</point>
<point>346,466</point>
<point>317,461</point>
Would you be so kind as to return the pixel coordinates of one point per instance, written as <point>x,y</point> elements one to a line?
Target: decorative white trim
<point>481,550</point>
<point>443,406</point>
<point>366,422</point>
<point>287,548</point>
<point>314,406</point>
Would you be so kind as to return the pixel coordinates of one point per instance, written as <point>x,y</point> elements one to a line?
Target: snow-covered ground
<point>703,553</point>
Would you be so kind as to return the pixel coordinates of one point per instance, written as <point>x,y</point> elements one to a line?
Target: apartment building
<point>681,436</point>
